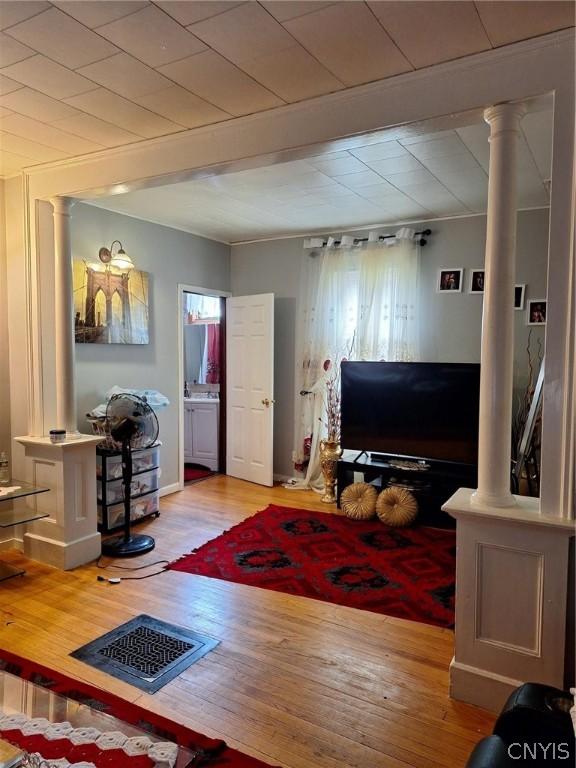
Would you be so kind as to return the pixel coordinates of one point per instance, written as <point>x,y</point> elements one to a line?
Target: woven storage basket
<point>396,507</point>
<point>359,501</point>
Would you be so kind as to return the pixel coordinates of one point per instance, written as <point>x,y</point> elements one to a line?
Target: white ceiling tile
<point>347,40</point>
<point>538,129</point>
<point>292,73</point>
<point>34,104</point>
<point>178,104</point>
<point>379,151</point>
<point>191,12</point>
<point>216,80</point>
<point>20,125</point>
<point>462,163</point>
<point>12,51</point>
<point>418,138</point>
<point>510,21</point>
<point>291,9</point>
<point>451,145</point>
<point>11,163</point>
<point>5,112</point>
<point>410,178</point>
<point>429,32</point>
<point>27,148</point>
<point>7,85</point>
<point>432,195</point>
<point>14,11</point>
<point>337,164</point>
<point>364,178</point>
<point>127,114</point>
<point>152,36</point>
<point>62,38</point>
<point>125,75</point>
<point>96,130</point>
<point>47,76</point>
<point>93,13</point>
<point>475,137</point>
<point>377,191</point>
<point>243,33</point>
<point>395,165</point>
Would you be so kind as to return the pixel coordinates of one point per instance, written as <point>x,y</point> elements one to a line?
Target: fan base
<point>137,544</point>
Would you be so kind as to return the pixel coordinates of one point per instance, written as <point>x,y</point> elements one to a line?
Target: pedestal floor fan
<point>133,425</point>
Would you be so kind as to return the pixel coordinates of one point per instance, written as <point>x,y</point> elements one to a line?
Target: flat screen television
<point>415,410</point>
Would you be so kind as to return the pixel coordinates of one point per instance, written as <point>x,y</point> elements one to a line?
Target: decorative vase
<point>330,452</point>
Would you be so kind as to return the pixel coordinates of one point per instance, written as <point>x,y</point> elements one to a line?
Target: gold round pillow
<point>359,501</point>
<point>396,507</point>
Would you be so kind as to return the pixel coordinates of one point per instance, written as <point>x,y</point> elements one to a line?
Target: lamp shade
<point>122,261</point>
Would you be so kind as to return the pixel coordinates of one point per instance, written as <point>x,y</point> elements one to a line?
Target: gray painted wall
<point>451,324</point>
<point>171,257</point>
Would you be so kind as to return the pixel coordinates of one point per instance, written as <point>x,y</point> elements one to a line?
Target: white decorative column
<point>511,560</point>
<point>64,316</point>
<point>497,357</point>
<point>68,536</point>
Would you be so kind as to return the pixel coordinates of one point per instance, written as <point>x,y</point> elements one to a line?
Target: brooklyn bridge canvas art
<point>110,306</point>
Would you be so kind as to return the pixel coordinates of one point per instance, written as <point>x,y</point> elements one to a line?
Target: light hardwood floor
<point>296,682</point>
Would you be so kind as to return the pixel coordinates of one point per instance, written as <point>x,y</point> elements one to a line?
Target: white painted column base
<point>511,598</point>
<point>69,536</point>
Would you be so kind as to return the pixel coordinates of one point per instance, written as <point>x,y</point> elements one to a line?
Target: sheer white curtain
<point>360,303</point>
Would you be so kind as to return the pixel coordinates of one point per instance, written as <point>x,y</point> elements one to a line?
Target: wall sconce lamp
<point>120,260</point>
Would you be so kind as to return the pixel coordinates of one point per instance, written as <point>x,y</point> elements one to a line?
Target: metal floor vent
<point>146,652</point>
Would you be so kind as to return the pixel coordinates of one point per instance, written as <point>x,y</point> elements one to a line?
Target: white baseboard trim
<point>480,687</point>
<point>63,555</point>
<point>12,543</point>
<point>166,490</point>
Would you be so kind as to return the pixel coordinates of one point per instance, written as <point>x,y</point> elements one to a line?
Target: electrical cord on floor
<point>118,579</point>
<point>99,564</point>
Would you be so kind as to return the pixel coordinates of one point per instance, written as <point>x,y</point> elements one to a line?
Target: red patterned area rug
<point>209,753</point>
<point>408,573</point>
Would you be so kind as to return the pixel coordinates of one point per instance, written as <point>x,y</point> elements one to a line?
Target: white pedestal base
<point>511,598</point>
<point>69,536</point>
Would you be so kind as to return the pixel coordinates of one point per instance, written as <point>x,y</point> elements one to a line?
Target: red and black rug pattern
<point>407,573</point>
<point>211,753</point>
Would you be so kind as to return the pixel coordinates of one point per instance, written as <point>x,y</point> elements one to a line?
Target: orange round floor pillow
<point>396,507</point>
<point>358,501</point>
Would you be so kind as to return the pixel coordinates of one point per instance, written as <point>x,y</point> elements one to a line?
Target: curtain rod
<point>422,241</point>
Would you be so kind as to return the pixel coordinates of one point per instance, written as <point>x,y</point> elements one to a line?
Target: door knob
<point>267,402</point>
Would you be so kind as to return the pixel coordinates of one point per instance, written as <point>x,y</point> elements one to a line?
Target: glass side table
<point>18,515</point>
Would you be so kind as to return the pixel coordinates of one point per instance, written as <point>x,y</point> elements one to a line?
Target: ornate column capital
<point>504,117</point>
<point>62,205</point>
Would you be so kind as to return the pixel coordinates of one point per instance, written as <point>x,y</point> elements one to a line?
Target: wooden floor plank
<point>297,682</point>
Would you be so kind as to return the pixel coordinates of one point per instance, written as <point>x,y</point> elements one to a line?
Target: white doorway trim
<point>182,289</point>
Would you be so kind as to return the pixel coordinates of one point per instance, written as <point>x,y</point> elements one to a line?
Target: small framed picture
<point>536,312</point>
<point>450,280</point>
<point>519,293</point>
<point>476,281</point>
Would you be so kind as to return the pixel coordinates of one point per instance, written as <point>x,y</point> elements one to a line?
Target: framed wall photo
<point>450,280</point>
<point>476,281</point>
<point>536,314</point>
<point>519,293</point>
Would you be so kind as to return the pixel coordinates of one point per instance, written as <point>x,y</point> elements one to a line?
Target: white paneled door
<point>250,387</point>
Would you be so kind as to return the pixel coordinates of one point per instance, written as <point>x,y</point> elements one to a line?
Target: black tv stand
<point>432,482</point>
